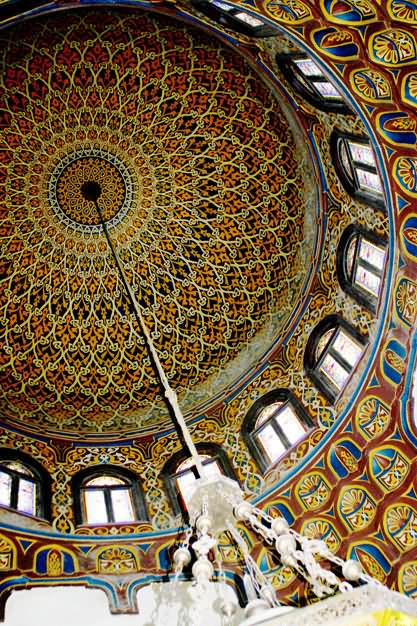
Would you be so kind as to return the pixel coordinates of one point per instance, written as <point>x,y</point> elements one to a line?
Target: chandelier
<point>347,595</point>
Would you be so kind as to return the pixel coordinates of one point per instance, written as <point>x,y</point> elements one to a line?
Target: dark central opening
<point>91,190</point>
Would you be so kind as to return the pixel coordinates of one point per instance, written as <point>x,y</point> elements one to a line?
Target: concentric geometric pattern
<point>76,170</point>
<point>205,204</point>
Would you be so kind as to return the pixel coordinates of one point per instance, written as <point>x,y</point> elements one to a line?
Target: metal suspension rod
<point>93,193</point>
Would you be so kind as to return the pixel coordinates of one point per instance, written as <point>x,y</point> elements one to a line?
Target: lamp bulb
<point>182,557</point>
<point>243,511</point>
<point>203,524</point>
<point>351,570</point>
<point>286,545</point>
<point>279,526</point>
<point>202,570</point>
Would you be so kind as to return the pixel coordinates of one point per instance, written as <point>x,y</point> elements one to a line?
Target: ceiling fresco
<point>204,199</point>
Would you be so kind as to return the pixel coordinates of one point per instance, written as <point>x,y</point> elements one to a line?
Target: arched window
<point>356,167</point>
<point>332,353</point>
<point>180,473</point>
<point>235,18</point>
<point>24,484</point>
<point>360,265</point>
<point>307,78</point>
<point>108,495</point>
<point>274,424</point>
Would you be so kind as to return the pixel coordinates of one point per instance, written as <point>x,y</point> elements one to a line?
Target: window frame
<point>249,429</point>
<point>40,478</point>
<point>170,472</point>
<point>131,481</point>
<point>304,85</point>
<point>352,186</point>
<point>345,279</point>
<point>229,20</point>
<point>312,364</point>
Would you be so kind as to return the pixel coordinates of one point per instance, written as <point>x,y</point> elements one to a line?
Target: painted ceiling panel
<point>203,197</point>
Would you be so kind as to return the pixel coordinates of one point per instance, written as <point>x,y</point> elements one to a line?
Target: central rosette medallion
<point>90,165</point>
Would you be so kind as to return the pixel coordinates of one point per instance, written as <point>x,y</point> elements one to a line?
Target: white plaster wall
<point>159,605</point>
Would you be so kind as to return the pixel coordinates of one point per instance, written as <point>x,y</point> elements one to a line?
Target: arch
<point>108,494</point>
<point>117,559</point>
<point>24,484</point>
<point>356,167</point>
<point>361,257</point>
<point>54,560</point>
<point>333,350</point>
<point>179,472</point>
<point>273,424</point>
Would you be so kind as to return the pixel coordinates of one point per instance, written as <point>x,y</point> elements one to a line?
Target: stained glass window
<point>105,481</point>
<point>5,489</point>
<point>341,357</point>
<point>334,371</point>
<point>369,267</point>
<point>222,5</point>
<point>277,428</point>
<point>362,153</point>
<point>310,75</point>
<point>106,499</point>
<point>248,19</point>
<point>95,506</point>
<point>346,347</point>
<point>368,281</point>
<point>26,500</point>
<point>267,412</point>
<point>271,443</point>
<point>357,168</point>
<point>337,352</point>
<point>307,67</point>
<point>365,262</point>
<point>322,343</point>
<point>368,181</point>
<point>17,467</point>
<point>347,165</point>
<point>293,428</point>
<point>121,500</point>
<point>373,254</point>
<point>363,163</point>
<point>18,487</point>
<point>326,89</point>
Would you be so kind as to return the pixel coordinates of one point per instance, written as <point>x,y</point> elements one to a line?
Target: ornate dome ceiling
<point>204,199</point>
